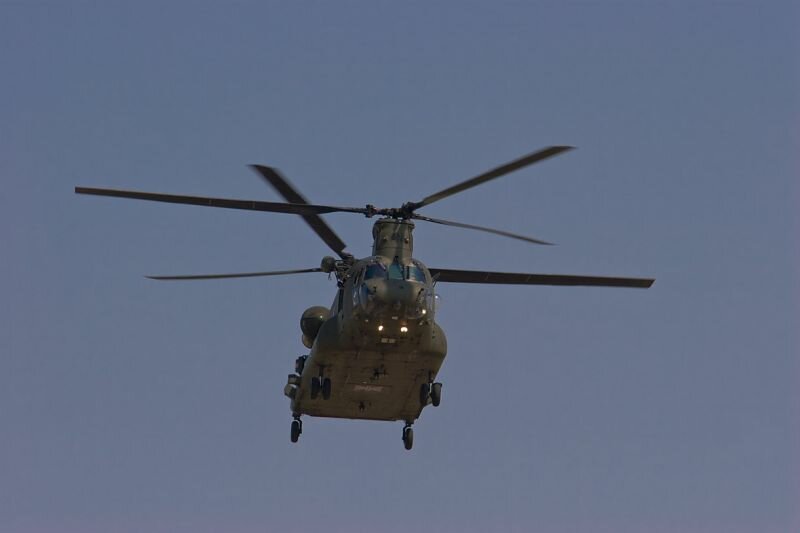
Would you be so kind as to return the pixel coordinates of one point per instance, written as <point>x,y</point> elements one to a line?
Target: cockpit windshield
<point>395,271</point>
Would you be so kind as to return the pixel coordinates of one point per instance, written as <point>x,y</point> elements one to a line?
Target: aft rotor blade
<point>479,228</point>
<point>240,275</point>
<point>507,278</point>
<point>249,205</point>
<point>291,195</point>
<point>502,170</point>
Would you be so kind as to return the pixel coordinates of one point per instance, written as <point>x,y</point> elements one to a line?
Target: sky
<point>128,405</point>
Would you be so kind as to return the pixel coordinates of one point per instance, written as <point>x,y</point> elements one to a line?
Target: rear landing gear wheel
<point>436,394</point>
<point>326,389</point>
<point>315,387</point>
<point>297,429</point>
<point>408,437</point>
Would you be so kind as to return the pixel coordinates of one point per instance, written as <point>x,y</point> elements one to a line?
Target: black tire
<point>424,394</point>
<point>295,433</point>
<point>436,394</point>
<point>315,386</point>
<point>300,364</point>
<point>408,437</point>
<point>326,389</point>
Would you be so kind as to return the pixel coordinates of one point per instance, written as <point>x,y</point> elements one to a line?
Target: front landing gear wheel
<point>297,429</point>
<point>408,437</point>
<point>424,394</point>
<point>315,387</point>
<point>436,394</point>
<point>326,389</point>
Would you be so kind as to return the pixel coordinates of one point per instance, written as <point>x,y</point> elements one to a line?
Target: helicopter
<point>375,353</point>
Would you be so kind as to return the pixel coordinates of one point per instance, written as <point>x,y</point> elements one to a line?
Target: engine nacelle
<point>311,321</point>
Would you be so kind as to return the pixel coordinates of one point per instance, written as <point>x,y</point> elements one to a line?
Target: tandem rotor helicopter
<point>376,352</point>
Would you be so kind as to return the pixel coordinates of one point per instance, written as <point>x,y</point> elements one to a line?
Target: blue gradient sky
<point>128,405</point>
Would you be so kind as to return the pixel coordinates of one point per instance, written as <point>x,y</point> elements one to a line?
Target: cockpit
<point>413,271</point>
<point>395,288</point>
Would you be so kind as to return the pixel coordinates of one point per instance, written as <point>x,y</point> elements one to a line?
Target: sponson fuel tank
<point>311,321</point>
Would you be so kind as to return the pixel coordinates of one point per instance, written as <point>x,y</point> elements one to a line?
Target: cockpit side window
<point>415,273</point>
<point>375,270</point>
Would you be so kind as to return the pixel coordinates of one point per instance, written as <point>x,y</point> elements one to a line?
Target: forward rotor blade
<point>291,195</point>
<point>479,228</point>
<point>517,164</point>
<point>240,275</point>
<point>249,205</point>
<point>506,278</point>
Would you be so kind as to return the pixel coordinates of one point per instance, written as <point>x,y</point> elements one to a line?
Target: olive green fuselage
<point>379,344</point>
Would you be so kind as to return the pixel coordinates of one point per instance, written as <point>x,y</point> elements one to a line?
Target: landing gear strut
<point>320,384</point>
<point>424,393</point>
<point>300,364</point>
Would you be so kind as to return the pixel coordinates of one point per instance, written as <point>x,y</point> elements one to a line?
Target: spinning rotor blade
<point>284,188</point>
<point>506,278</point>
<point>479,228</point>
<point>241,275</point>
<point>250,205</point>
<point>494,173</point>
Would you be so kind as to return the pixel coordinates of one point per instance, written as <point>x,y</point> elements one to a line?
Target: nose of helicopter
<point>400,293</point>
<point>398,298</point>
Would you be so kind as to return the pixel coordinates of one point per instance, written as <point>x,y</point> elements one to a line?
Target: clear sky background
<point>128,405</point>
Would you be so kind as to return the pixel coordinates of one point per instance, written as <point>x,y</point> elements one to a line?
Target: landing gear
<point>436,394</point>
<point>300,364</point>
<point>408,437</point>
<point>432,391</point>
<point>320,384</point>
<point>326,389</point>
<point>424,393</point>
<point>297,429</point>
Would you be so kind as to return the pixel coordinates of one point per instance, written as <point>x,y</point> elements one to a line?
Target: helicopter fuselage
<point>379,345</point>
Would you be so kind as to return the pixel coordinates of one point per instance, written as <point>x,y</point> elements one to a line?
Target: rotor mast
<point>393,237</point>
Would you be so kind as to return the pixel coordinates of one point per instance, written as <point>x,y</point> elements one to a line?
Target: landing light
<point>424,311</point>
<point>380,328</point>
<point>403,329</point>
